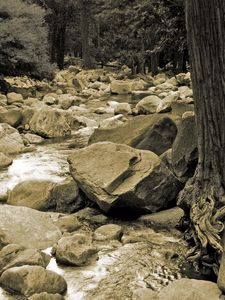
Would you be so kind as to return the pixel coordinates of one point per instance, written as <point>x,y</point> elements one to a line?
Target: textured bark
<point>205,192</point>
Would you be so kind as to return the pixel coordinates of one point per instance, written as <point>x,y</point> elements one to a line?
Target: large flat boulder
<point>152,132</point>
<point>27,227</point>
<point>118,177</point>
<point>49,122</point>
<point>10,140</point>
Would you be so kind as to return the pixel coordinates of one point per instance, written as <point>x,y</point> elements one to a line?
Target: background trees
<point>144,34</point>
<point>23,39</point>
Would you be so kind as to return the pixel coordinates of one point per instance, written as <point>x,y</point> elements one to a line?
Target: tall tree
<point>23,39</point>
<point>205,192</point>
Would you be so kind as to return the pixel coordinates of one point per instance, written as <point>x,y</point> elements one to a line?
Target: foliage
<point>23,39</point>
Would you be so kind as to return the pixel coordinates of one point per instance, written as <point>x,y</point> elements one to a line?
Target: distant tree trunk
<point>154,64</point>
<point>204,193</point>
<point>85,22</point>
<point>61,47</point>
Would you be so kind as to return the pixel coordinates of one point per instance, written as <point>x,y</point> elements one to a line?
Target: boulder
<point>14,255</point>
<point>14,98</point>
<point>123,108</point>
<point>29,280</point>
<point>12,116</point>
<point>30,228</point>
<point>148,105</point>
<point>65,195</point>
<point>5,161</point>
<point>166,219</point>
<point>190,289</point>
<point>118,177</point>
<point>74,250</point>
<point>120,87</point>
<point>138,85</point>
<point>10,140</point>
<point>46,296</point>
<point>108,232</point>
<point>152,132</point>
<point>185,92</point>
<point>144,294</point>
<point>36,194</point>
<point>184,150</point>
<point>49,123</point>
<point>49,99</point>
<point>68,223</point>
<point>27,114</point>
<point>184,78</point>
<point>66,101</point>
<point>33,138</point>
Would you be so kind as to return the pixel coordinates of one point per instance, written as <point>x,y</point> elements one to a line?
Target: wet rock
<point>190,289</point>
<point>30,228</point>
<point>167,219</point>
<point>14,255</point>
<point>11,116</point>
<point>65,195</point>
<point>144,294</point>
<point>184,150</point>
<point>10,140</point>
<point>152,132</point>
<point>36,194</point>
<point>113,122</point>
<point>29,280</point>
<point>148,105</point>
<point>49,123</point>
<point>120,87</point>
<point>108,232</point>
<point>118,177</point>
<point>46,296</point>
<point>14,98</point>
<point>68,223</point>
<point>5,161</point>
<point>33,138</point>
<point>74,250</point>
<point>123,108</point>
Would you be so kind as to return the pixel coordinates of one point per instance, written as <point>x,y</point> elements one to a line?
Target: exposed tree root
<point>207,212</point>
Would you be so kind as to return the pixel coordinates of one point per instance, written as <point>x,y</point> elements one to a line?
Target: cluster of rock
<point>137,159</point>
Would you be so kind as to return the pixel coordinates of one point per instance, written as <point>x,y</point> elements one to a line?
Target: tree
<point>204,194</point>
<point>23,40</point>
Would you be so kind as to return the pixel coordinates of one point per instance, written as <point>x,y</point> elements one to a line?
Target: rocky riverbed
<point>91,166</point>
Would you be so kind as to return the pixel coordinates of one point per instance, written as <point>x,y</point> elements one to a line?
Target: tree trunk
<point>154,64</point>
<point>205,191</point>
<point>85,20</point>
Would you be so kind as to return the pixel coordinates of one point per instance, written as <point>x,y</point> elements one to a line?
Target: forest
<point>112,149</point>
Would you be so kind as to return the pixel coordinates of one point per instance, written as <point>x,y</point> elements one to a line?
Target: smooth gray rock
<point>27,227</point>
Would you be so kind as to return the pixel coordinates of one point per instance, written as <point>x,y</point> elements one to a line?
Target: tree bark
<point>205,191</point>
